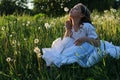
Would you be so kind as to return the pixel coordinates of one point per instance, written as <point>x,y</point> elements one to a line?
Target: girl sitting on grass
<point>80,43</point>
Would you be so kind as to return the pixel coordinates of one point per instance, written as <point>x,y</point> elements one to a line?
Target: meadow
<point>23,37</point>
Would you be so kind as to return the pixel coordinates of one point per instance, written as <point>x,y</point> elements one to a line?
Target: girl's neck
<point>75,24</point>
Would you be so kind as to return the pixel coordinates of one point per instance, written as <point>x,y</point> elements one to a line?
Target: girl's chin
<point>73,16</point>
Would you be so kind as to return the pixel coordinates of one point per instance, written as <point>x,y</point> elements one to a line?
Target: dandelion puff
<point>3,28</point>
<point>36,41</point>
<point>105,11</point>
<point>23,24</point>
<point>66,9</point>
<point>39,55</point>
<point>25,39</point>
<point>11,35</point>
<point>28,22</point>
<point>47,25</point>
<point>14,42</point>
<point>113,10</point>
<point>61,5</point>
<point>36,50</point>
<point>38,28</point>
<point>8,59</point>
<point>18,43</point>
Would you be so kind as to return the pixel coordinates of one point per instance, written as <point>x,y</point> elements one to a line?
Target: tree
<point>12,6</point>
<point>56,7</point>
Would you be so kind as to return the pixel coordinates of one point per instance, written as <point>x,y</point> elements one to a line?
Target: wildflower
<point>61,5</point>
<point>47,25</point>
<point>14,42</point>
<point>18,43</point>
<point>15,53</point>
<point>105,11</point>
<point>39,55</point>
<point>37,50</point>
<point>25,39</point>
<point>66,9</point>
<point>3,28</point>
<point>38,28</point>
<point>113,10</point>
<point>28,22</point>
<point>11,35</point>
<point>36,41</point>
<point>8,59</point>
<point>23,24</point>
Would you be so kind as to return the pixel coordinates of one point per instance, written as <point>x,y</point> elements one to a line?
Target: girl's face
<point>75,12</point>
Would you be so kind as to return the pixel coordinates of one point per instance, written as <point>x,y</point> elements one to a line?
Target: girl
<point>80,43</point>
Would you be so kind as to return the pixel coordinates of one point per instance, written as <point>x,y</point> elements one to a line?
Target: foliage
<point>56,7</point>
<point>22,36</point>
<point>8,7</point>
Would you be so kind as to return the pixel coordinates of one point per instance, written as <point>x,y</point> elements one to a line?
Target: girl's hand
<point>80,41</point>
<point>68,25</point>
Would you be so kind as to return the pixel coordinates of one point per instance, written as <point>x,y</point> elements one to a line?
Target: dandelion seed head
<point>39,55</point>
<point>11,35</point>
<point>23,24</point>
<point>8,59</point>
<point>3,28</point>
<point>36,41</point>
<point>66,9</point>
<point>14,42</point>
<point>39,28</point>
<point>28,22</point>
<point>47,25</point>
<point>113,10</point>
<point>25,39</point>
<point>18,43</point>
<point>37,50</point>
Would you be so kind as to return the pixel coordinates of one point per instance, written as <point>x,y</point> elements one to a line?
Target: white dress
<point>63,51</point>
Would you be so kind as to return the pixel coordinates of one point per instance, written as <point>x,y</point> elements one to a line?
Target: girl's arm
<point>95,42</point>
<point>68,27</point>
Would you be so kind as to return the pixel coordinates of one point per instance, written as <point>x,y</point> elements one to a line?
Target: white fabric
<point>86,30</point>
<point>65,52</point>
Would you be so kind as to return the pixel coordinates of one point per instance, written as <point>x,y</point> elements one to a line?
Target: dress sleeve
<point>91,31</point>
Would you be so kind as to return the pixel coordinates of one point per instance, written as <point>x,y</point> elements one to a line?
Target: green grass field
<point>20,35</point>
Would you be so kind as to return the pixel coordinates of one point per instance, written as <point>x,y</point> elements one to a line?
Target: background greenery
<point>18,61</point>
<point>52,7</point>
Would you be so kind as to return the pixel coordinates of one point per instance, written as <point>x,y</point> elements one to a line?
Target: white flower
<point>3,28</point>
<point>37,50</point>
<point>23,24</point>
<point>39,55</point>
<point>18,43</point>
<point>113,10</point>
<point>66,9</point>
<point>11,35</point>
<point>47,25</point>
<point>36,41</point>
<point>105,11</point>
<point>14,42</point>
<point>25,39</point>
<point>8,59</point>
<point>28,22</point>
<point>38,27</point>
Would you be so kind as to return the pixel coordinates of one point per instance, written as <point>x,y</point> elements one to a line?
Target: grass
<point>18,61</point>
